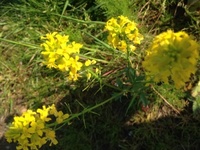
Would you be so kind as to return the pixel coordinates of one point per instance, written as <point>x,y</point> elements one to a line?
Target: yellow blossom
<point>61,117</point>
<point>88,76</point>
<point>44,114</point>
<point>122,32</point>
<point>171,56</point>
<point>31,130</point>
<point>50,134</point>
<point>60,54</point>
<point>89,62</point>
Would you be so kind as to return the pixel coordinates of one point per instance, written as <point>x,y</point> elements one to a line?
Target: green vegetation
<point>116,108</point>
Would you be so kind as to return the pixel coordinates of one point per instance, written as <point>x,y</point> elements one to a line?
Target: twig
<point>177,111</point>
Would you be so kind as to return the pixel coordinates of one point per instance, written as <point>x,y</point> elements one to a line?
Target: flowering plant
<point>61,54</point>
<point>123,33</point>
<point>32,129</point>
<point>171,56</point>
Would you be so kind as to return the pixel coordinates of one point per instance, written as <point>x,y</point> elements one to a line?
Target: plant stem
<point>86,110</point>
<point>19,43</point>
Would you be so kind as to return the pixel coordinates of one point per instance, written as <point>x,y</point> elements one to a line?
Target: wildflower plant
<point>172,56</point>
<point>61,54</point>
<point>32,129</point>
<point>123,33</point>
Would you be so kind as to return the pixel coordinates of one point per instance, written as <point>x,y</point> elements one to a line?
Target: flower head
<point>123,33</point>
<point>172,56</point>
<point>31,130</point>
<point>61,54</point>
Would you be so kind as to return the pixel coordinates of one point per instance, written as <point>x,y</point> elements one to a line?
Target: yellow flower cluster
<point>123,33</point>
<point>61,54</point>
<point>172,57</point>
<point>31,130</point>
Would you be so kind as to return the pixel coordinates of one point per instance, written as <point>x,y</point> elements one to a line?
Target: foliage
<point>92,65</point>
<point>115,8</point>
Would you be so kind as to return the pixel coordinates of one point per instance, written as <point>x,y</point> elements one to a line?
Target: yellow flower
<point>24,145</point>
<point>38,126</point>
<point>76,47</point>
<point>37,141</point>
<point>27,117</point>
<point>31,130</point>
<point>112,25</point>
<point>88,76</point>
<point>73,75</point>
<point>132,47</point>
<point>13,133</point>
<point>89,62</point>
<point>171,56</point>
<point>50,134</point>
<point>60,117</point>
<point>59,53</point>
<point>44,113</point>
<point>75,64</point>
<point>121,45</point>
<point>122,32</point>
<point>97,71</point>
<point>25,133</point>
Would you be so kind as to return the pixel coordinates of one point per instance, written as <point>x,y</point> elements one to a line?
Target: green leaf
<point>143,99</point>
<point>132,102</point>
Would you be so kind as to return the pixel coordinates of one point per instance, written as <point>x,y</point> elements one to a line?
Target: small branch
<point>177,111</point>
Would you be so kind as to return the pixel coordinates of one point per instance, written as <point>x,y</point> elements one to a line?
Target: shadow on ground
<point>167,133</point>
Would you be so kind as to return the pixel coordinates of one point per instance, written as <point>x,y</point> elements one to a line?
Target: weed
<point>115,109</point>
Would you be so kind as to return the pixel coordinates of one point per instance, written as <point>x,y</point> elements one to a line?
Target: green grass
<point>106,116</point>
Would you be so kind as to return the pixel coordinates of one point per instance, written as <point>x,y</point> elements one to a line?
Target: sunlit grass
<point>114,110</point>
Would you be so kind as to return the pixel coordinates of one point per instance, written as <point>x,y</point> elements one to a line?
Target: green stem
<point>86,110</point>
<point>190,14</point>
<point>128,57</point>
<point>64,8</point>
<point>19,43</point>
<point>94,50</point>
<point>101,42</point>
<point>80,21</point>
<point>92,58</point>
